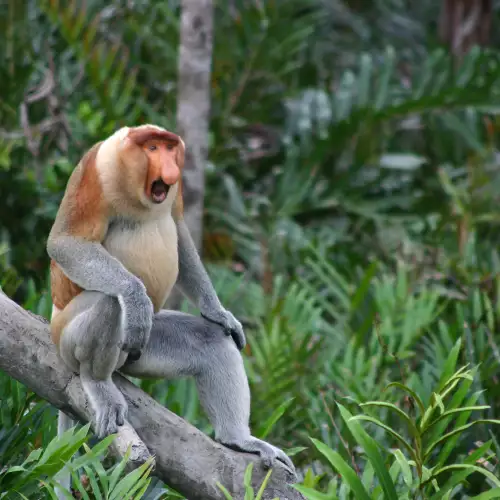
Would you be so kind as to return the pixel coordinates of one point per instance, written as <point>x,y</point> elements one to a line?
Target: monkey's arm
<point>194,282</point>
<point>91,267</point>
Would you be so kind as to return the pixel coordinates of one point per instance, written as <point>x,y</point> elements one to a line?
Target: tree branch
<point>186,459</point>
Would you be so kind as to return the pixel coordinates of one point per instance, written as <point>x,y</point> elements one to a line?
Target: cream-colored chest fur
<point>149,251</point>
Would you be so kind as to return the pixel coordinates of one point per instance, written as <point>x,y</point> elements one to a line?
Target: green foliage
<point>117,96</point>
<point>40,469</point>
<point>351,224</point>
<point>417,465</point>
<point>249,492</point>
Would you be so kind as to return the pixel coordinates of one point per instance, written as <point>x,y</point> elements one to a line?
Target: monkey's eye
<point>152,147</point>
<point>170,147</point>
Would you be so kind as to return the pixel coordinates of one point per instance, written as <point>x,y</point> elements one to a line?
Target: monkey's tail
<point>64,423</point>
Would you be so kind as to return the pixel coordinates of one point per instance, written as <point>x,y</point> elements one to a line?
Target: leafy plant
<point>249,492</point>
<point>417,464</point>
<point>42,466</point>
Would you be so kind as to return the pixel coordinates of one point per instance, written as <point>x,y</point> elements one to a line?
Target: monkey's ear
<point>178,208</point>
<point>181,153</point>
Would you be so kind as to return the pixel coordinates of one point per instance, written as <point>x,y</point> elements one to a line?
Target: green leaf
<point>247,481</point>
<point>487,495</point>
<point>118,470</point>
<point>438,430</point>
<point>263,485</point>
<point>405,467</point>
<point>312,494</point>
<point>457,478</point>
<point>294,451</point>
<point>224,491</point>
<point>93,482</point>
<point>398,410</point>
<point>472,468</point>
<point>412,393</point>
<point>275,416</point>
<point>363,286</point>
<point>371,450</point>
<point>79,486</point>
<point>438,402</point>
<point>340,465</point>
<point>450,365</point>
<point>453,412</point>
<point>388,429</point>
<point>458,430</point>
<point>33,456</point>
<point>132,481</point>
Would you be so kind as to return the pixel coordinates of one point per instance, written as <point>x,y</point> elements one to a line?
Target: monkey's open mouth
<point>159,191</point>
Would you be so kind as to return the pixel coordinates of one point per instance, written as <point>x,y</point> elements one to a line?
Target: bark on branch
<point>186,459</point>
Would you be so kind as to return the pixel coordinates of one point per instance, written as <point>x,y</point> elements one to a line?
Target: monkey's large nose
<point>170,174</point>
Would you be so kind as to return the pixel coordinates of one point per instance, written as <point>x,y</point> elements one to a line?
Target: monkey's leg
<point>185,345</point>
<point>90,344</point>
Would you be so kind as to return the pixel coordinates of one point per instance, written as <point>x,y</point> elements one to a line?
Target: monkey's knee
<point>91,330</point>
<point>222,355</point>
<point>221,377</point>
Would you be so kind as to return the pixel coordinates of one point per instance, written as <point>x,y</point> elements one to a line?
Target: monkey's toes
<point>285,459</point>
<point>267,460</point>
<point>109,419</point>
<point>269,454</point>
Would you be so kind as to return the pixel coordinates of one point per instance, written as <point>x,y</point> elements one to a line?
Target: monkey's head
<point>148,169</point>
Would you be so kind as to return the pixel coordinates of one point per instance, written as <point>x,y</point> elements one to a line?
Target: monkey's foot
<point>111,419</point>
<point>110,413</point>
<point>268,453</point>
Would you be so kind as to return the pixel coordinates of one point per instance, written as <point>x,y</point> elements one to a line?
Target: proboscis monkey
<point>118,245</point>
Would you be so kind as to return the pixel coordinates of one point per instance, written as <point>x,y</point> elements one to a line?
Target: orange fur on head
<point>141,135</point>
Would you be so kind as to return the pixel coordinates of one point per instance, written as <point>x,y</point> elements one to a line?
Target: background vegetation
<point>351,222</point>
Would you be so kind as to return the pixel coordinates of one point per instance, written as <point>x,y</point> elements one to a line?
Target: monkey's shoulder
<point>83,208</point>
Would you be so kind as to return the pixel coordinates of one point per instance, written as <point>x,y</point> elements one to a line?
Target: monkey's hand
<point>229,323</point>
<point>138,310</point>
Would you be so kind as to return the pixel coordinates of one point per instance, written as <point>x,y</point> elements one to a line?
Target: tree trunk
<point>193,105</point>
<point>193,110</point>
<point>465,23</point>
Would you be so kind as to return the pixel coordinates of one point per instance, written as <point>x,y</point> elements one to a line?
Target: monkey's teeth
<point>159,197</point>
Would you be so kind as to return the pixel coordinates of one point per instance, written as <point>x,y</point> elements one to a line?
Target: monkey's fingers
<point>121,413</point>
<point>236,332</point>
<point>134,355</point>
<point>216,322</point>
<point>238,337</point>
